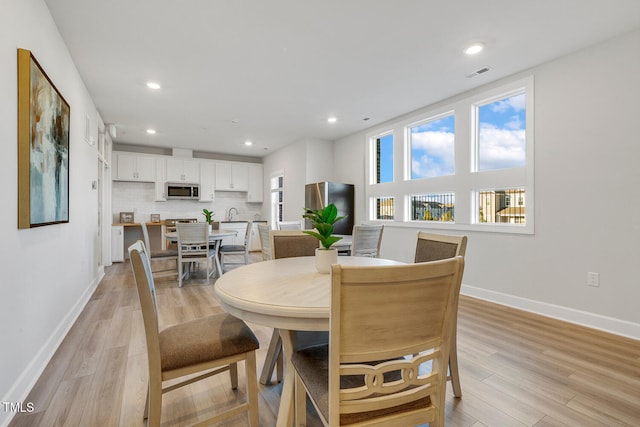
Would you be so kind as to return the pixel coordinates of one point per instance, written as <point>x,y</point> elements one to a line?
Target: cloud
<point>516,102</point>
<point>432,154</point>
<point>501,148</point>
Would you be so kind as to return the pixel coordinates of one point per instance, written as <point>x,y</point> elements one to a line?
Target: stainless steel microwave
<point>182,191</point>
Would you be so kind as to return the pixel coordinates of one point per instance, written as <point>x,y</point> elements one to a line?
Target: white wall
<point>586,181</point>
<point>303,162</point>
<point>49,272</point>
<point>319,160</point>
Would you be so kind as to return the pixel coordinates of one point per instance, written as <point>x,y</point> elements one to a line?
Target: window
<point>501,133</point>
<point>466,165</point>
<point>384,159</point>
<point>433,148</point>
<point>384,208</point>
<point>277,205</point>
<point>433,207</point>
<point>495,206</point>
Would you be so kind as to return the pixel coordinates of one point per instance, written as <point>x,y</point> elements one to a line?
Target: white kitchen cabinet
<point>183,170</point>
<point>117,243</point>
<point>255,177</point>
<point>232,176</point>
<point>207,181</point>
<point>161,177</point>
<point>132,167</point>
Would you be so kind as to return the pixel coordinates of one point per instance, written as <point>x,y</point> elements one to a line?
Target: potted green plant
<point>208,217</point>
<point>322,221</point>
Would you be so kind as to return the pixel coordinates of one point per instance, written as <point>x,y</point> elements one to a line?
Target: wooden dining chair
<point>193,246</point>
<point>386,361</point>
<point>367,240</point>
<point>433,247</point>
<point>241,250</point>
<point>284,244</point>
<point>292,243</point>
<point>265,240</point>
<point>206,346</point>
<point>160,255</point>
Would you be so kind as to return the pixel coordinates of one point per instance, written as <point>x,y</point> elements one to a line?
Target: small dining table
<point>290,295</point>
<point>215,238</point>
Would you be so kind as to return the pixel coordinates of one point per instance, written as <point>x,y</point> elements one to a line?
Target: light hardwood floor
<point>516,368</point>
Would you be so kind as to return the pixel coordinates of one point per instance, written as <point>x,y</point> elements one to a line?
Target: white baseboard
<point>591,320</point>
<point>25,382</point>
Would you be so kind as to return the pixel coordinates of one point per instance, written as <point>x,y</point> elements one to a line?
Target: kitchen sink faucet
<point>230,214</point>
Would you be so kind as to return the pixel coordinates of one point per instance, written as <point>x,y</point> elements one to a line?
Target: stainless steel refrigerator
<point>320,194</point>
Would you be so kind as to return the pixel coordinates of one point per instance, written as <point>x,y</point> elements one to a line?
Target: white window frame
<point>467,180</point>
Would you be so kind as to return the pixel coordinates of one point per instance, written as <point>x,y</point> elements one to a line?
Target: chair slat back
<point>141,266</point>
<point>289,225</point>
<point>292,243</point>
<point>432,247</point>
<point>193,239</point>
<point>247,235</point>
<point>367,240</point>
<point>265,240</point>
<point>145,235</point>
<point>386,323</point>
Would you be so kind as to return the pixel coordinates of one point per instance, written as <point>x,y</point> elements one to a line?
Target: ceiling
<point>272,72</point>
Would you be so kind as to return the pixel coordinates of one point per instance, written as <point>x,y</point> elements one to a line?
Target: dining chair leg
<point>252,388</point>
<point>274,355</point>
<point>453,366</point>
<point>233,374</point>
<point>300,403</point>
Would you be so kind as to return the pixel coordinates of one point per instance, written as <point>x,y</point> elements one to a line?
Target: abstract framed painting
<point>43,147</point>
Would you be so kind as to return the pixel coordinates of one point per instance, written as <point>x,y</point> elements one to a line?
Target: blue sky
<point>501,141</point>
<point>433,148</point>
<point>502,134</point>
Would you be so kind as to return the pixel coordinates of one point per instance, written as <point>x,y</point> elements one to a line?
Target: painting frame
<point>44,119</point>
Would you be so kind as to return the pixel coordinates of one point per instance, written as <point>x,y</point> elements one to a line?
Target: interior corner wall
<point>48,273</point>
<point>586,178</point>
<point>319,160</point>
<point>303,162</point>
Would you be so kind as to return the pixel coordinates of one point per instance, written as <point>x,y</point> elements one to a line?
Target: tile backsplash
<point>138,197</point>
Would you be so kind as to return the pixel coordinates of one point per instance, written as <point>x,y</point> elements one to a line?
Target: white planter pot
<point>324,259</point>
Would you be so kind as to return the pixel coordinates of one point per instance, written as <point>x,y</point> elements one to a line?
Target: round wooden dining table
<point>287,294</point>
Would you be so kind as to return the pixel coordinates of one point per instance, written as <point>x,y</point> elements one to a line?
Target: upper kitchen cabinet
<point>132,167</point>
<point>254,193</point>
<point>207,181</point>
<point>183,170</point>
<point>161,178</point>
<point>231,176</point>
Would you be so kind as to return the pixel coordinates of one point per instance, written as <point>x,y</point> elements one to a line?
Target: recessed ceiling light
<point>248,143</point>
<point>153,85</point>
<point>474,48</point>
<point>332,119</point>
<point>151,131</point>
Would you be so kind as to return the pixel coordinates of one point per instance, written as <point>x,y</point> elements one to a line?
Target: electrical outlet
<point>593,279</point>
